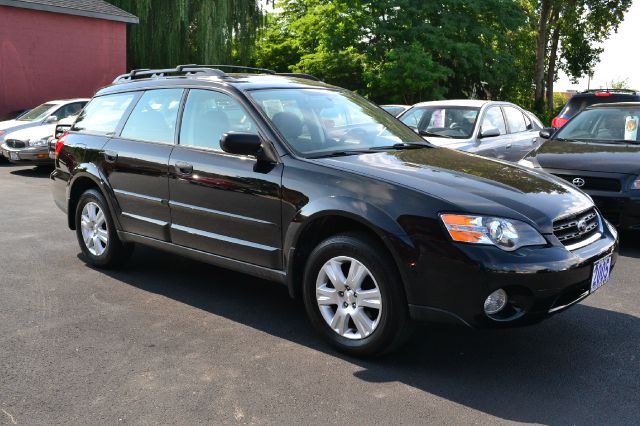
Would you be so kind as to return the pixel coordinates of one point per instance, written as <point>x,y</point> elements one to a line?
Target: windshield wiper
<point>402,145</point>
<point>339,153</point>
<point>435,135</point>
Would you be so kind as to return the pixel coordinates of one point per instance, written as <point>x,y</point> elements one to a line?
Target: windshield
<point>38,113</point>
<point>603,125</point>
<point>442,121</point>
<point>319,121</point>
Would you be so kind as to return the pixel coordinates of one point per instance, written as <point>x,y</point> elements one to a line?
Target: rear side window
<point>69,110</point>
<point>515,119</point>
<point>102,114</point>
<point>208,115</point>
<point>493,118</point>
<point>154,117</point>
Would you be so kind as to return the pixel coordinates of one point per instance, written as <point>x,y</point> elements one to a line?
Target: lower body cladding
<point>484,286</point>
<point>27,156</point>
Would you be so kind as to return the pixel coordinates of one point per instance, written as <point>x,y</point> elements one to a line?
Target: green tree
<point>400,50</point>
<point>174,32</point>
<point>567,34</point>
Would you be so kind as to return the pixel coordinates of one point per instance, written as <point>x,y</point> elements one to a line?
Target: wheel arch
<point>87,177</point>
<point>315,223</point>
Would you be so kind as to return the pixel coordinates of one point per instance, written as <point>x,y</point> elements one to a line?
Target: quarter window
<point>208,115</point>
<point>102,114</point>
<point>154,117</point>
<point>493,118</point>
<point>516,120</point>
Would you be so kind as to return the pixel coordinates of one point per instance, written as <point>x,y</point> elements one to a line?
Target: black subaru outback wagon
<point>299,182</point>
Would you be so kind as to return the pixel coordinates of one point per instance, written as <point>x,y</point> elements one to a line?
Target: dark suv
<point>299,182</point>
<point>582,100</point>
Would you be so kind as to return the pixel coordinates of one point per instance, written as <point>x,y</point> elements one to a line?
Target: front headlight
<point>635,184</point>
<point>507,234</point>
<point>38,142</point>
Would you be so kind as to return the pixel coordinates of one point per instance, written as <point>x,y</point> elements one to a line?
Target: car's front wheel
<point>96,232</point>
<point>353,295</point>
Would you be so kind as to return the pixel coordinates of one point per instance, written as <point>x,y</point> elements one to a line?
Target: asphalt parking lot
<point>172,341</point>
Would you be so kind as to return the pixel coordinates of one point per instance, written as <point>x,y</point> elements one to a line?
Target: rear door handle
<point>183,169</point>
<point>110,156</point>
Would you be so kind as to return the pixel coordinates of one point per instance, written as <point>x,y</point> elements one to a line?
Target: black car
<point>371,225</point>
<point>582,100</point>
<point>599,152</point>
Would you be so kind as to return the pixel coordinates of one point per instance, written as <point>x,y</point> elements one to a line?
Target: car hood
<point>589,156</point>
<point>34,132</point>
<point>11,125</point>
<point>473,184</point>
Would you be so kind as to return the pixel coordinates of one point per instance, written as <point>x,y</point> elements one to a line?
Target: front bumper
<point>31,155</point>
<point>450,284</point>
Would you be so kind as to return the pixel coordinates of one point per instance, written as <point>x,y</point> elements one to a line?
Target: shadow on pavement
<point>582,366</point>
<point>33,172</point>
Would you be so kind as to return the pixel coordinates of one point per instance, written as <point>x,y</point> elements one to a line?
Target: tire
<point>371,328</point>
<point>98,238</point>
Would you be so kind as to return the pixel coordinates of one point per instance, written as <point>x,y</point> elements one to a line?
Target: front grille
<point>595,183</point>
<point>574,229</point>
<point>15,143</point>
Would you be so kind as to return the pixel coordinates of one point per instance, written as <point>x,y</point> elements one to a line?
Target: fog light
<point>495,302</point>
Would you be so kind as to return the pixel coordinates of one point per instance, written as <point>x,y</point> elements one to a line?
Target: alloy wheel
<point>348,297</point>
<point>95,232</point>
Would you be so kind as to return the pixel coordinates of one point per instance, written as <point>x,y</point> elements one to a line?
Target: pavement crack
<point>13,421</point>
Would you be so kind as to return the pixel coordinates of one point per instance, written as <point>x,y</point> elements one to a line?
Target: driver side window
<point>208,115</point>
<point>494,118</point>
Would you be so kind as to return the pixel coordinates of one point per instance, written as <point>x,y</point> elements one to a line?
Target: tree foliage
<point>568,37</point>
<point>399,50</point>
<point>174,32</point>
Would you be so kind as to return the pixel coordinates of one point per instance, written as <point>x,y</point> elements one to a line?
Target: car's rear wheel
<point>96,233</point>
<point>353,295</point>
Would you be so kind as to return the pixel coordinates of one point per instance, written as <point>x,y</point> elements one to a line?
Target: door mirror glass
<point>489,132</point>
<point>241,143</point>
<point>547,132</point>
<point>51,119</point>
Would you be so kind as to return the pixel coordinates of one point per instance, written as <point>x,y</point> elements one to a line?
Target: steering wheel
<point>357,133</point>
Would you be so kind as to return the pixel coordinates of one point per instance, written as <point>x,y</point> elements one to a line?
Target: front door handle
<point>110,156</point>
<point>508,146</point>
<point>183,169</point>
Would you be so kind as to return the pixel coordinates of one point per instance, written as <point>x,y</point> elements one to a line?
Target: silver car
<point>47,113</point>
<point>23,140</point>
<point>489,128</point>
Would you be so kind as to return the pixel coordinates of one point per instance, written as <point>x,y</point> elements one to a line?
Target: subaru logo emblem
<point>582,225</point>
<point>578,182</point>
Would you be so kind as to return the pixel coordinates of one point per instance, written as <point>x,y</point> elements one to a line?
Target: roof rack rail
<point>238,67</point>
<point>299,75</point>
<point>611,91</point>
<point>191,69</point>
<point>165,72</point>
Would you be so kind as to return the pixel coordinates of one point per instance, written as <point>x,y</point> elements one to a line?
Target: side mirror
<point>547,132</point>
<point>51,119</point>
<point>489,132</point>
<point>241,143</point>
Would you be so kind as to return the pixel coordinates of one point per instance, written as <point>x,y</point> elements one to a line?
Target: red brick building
<point>57,49</point>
